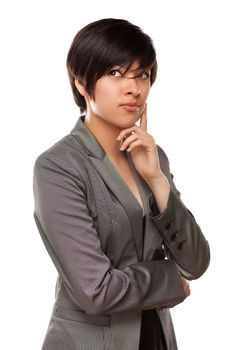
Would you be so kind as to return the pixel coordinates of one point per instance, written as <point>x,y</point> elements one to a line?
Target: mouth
<point>131,107</point>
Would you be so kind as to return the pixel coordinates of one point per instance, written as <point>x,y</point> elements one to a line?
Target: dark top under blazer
<point>91,225</point>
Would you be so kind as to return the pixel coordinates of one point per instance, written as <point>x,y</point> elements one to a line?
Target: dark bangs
<point>124,48</point>
<point>104,44</point>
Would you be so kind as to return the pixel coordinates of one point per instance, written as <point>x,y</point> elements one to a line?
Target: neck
<point>106,134</point>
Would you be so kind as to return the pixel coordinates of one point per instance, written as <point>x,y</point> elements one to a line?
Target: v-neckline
<point>125,185</point>
<point>97,154</point>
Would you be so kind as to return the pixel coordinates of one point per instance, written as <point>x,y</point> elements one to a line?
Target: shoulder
<point>65,154</point>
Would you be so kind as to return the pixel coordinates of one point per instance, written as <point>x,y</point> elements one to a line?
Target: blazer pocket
<point>70,329</point>
<point>81,316</point>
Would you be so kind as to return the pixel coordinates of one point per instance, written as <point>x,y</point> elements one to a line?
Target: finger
<point>143,119</point>
<point>128,141</point>
<point>135,144</point>
<point>124,132</point>
<point>186,286</point>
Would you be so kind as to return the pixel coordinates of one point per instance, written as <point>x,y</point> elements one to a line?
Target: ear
<point>80,87</point>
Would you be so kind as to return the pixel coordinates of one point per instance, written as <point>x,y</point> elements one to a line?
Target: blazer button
<point>174,235</point>
<point>168,225</point>
<point>180,245</point>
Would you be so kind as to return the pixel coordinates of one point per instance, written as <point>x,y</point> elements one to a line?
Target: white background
<point>189,116</point>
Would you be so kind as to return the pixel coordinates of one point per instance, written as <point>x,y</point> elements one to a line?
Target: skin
<point>118,103</point>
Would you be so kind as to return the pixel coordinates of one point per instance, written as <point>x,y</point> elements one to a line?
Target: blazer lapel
<point>112,178</point>
<point>152,239</point>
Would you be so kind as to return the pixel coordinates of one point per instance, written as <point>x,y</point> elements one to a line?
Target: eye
<point>143,75</point>
<point>115,73</point>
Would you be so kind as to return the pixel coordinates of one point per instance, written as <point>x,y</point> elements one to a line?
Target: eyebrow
<point>123,66</point>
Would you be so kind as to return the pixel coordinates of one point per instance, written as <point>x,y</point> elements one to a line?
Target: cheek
<point>101,102</point>
<point>105,97</point>
<point>100,92</point>
<point>146,89</point>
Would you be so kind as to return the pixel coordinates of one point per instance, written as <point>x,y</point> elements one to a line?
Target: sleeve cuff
<point>171,219</point>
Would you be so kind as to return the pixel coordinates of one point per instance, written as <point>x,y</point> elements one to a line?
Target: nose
<point>132,87</point>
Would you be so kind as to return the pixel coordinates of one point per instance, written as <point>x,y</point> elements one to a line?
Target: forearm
<point>182,235</point>
<point>160,188</point>
<point>184,241</point>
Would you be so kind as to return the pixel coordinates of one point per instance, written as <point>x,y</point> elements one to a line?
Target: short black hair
<point>103,44</point>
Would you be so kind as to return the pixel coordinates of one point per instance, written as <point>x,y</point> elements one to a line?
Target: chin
<point>130,123</point>
<point>125,125</point>
<point>123,122</point>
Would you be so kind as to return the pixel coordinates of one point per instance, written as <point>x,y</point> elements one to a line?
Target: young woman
<point>106,206</point>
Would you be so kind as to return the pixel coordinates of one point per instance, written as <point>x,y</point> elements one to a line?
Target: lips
<point>130,107</point>
<point>130,104</point>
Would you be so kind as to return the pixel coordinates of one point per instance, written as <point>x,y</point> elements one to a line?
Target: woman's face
<point>120,99</point>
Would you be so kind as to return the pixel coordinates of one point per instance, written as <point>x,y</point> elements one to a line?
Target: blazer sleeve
<point>183,238</point>
<point>69,234</point>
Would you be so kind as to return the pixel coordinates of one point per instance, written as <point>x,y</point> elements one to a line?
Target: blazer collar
<point>87,139</point>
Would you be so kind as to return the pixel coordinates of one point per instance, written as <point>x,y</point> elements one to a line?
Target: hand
<point>142,148</point>
<point>186,287</point>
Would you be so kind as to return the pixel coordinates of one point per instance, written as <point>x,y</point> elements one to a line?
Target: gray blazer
<point>91,225</point>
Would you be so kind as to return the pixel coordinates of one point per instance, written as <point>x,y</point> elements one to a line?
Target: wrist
<point>156,180</point>
<point>160,188</point>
